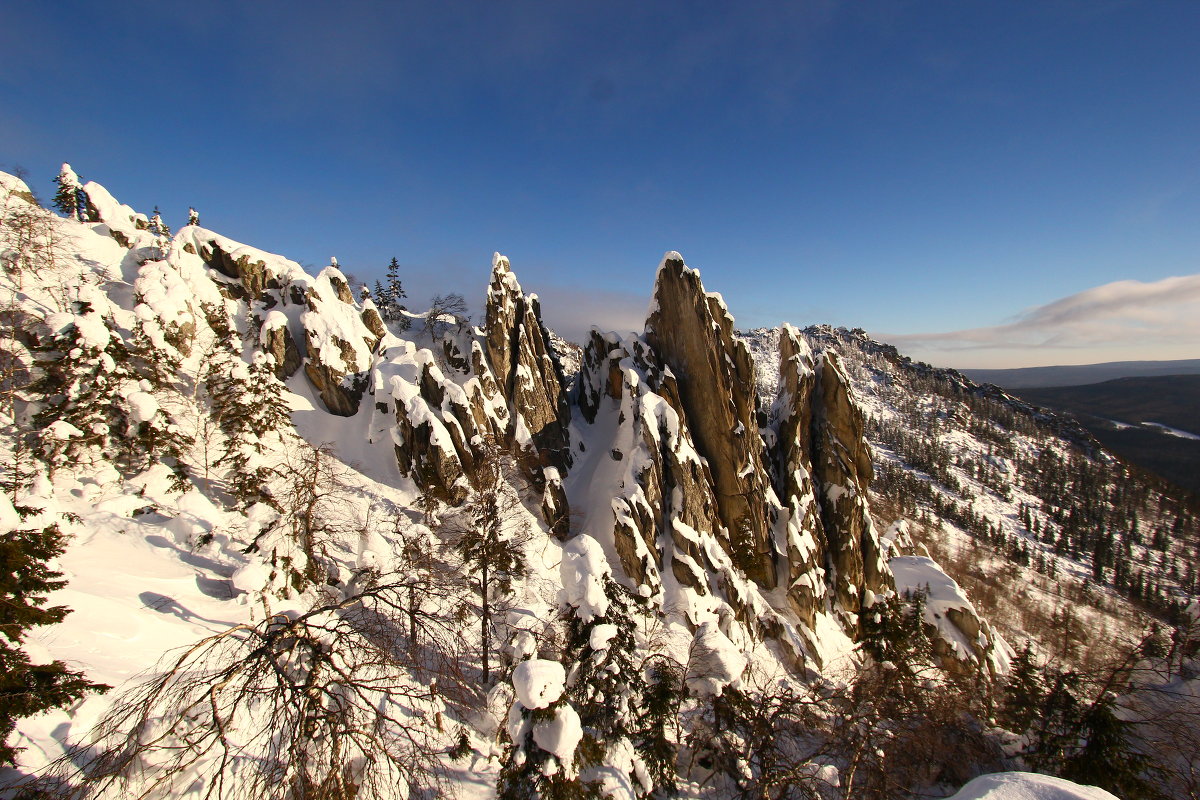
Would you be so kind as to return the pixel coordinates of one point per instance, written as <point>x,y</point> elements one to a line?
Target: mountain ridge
<point>1080,374</point>
<point>721,507</point>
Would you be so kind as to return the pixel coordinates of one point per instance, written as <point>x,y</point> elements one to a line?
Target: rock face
<point>822,468</point>
<point>338,345</point>
<point>476,394</point>
<point>441,415</point>
<point>725,505</point>
<point>692,333</point>
<point>528,376</point>
<point>276,341</point>
<point>655,454</point>
<point>792,467</point>
<point>252,274</point>
<point>842,467</point>
<point>719,508</point>
<point>665,527</point>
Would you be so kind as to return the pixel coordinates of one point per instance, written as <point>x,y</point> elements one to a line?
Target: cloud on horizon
<point>1159,319</point>
<point>572,311</point>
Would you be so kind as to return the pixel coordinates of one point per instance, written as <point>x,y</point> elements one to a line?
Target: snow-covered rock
<point>691,332</point>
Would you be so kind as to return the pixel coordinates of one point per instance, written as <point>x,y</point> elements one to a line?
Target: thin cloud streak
<point>1107,318</point>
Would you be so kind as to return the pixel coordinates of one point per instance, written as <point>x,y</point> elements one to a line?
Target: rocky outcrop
<point>668,507</point>
<point>276,341</point>
<point>964,642</point>
<point>528,376</point>
<point>717,504</point>
<point>339,388</point>
<point>665,528</point>
<point>442,420</point>
<point>792,467</point>
<point>253,274</point>
<point>842,469</point>
<point>691,331</point>
<point>338,345</point>
<point>374,322</point>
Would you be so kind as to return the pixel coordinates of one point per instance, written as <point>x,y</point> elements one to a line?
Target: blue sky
<point>949,175</point>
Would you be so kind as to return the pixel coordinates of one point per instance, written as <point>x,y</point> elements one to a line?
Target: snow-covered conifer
<point>157,226</point>
<point>25,579</point>
<point>97,397</point>
<point>606,684</point>
<point>247,402</point>
<point>545,730</point>
<point>388,295</point>
<point>153,435</point>
<point>489,533</point>
<point>67,198</point>
<point>84,364</point>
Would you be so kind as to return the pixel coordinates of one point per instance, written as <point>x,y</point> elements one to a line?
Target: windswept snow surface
<point>1028,786</point>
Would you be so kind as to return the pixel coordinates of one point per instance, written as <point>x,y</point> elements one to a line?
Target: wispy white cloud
<point>1123,319</point>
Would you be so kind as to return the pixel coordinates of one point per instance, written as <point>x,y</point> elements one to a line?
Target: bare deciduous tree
<point>444,311</point>
<point>332,703</point>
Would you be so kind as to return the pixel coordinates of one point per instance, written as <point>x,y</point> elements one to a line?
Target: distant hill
<point>1127,416</point>
<point>1081,374</point>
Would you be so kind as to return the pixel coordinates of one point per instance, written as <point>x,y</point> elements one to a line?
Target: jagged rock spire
<point>528,376</point>
<point>692,333</point>
<point>823,472</point>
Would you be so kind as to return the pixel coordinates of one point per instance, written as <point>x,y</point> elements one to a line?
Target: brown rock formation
<point>339,379</point>
<point>842,468</point>
<point>528,376</point>
<point>692,334</point>
<point>792,462</point>
<point>278,343</point>
<point>374,322</point>
<point>253,275</point>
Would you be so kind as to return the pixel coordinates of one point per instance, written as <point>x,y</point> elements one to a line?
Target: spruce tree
<point>1107,757</point>
<point>25,579</point>
<point>395,289</point>
<point>491,538</point>
<point>247,402</point>
<point>97,399</point>
<point>156,438</point>
<point>157,226</point>
<point>388,296</point>
<point>610,692</point>
<point>67,197</point>
<point>82,375</point>
<point>1021,699</point>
